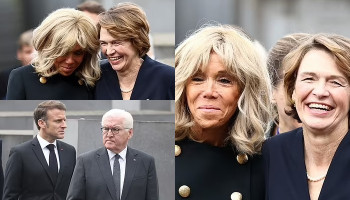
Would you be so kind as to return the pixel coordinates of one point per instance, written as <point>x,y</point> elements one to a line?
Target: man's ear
<point>131,133</point>
<point>41,123</point>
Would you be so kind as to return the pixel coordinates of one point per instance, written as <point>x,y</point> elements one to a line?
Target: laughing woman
<point>130,73</point>
<point>313,162</point>
<point>66,65</point>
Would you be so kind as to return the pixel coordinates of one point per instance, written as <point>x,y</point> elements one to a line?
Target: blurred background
<point>17,16</point>
<point>154,129</point>
<point>264,20</point>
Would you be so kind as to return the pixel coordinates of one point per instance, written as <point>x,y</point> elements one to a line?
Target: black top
<point>155,81</point>
<point>285,169</point>
<point>213,173</point>
<point>24,84</point>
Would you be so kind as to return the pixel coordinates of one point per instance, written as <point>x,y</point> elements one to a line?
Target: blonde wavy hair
<point>58,34</point>
<point>127,22</point>
<point>243,61</point>
<point>336,45</point>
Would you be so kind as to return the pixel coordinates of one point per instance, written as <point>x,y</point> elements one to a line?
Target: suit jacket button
<point>242,158</point>
<point>42,80</point>
<point>184,191</point>
<point>177,150</point>
<point>236,196</point>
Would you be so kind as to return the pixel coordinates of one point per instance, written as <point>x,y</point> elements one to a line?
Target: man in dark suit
<point>41,168</point>
<point>115,171</point>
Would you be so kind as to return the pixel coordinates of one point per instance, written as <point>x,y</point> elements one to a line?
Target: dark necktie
<point>53,167</point>
<point>116,175</point>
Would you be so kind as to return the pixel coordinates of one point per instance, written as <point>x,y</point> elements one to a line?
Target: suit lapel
<point>105,169</point>
<point>299,169</point>
<point>338,173</point>
<point>112,82</point>
<point>62,155</point>
<point>131,162</point>
<point>40,155</point>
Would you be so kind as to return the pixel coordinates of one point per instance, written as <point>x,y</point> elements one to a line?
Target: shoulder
<point>158,67</point>
<point>140,154</point>
<point>92,153</point>
<point>65,145</point>
<point>29,69</point>
<point>283,140</point>
<point>23,147</point>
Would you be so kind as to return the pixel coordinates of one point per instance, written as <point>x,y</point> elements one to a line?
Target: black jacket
<point>24,84</point>
<point>214,173</point>
<point>155,81</point>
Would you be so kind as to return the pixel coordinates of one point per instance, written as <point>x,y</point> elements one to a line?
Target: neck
<point>45,137</point>
<point>320,149</point>
<point>212,136</point>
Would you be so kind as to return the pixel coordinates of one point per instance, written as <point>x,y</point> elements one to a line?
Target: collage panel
<point>88,50</point>
<point>262,99</point>
<point>146,126</point>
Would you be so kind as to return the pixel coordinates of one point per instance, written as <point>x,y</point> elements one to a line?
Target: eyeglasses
<point>114,131</point>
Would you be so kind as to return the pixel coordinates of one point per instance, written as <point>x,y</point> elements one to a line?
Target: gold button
<point>184,191</point>
<point>242,158</point>
<point>42,80</point>
<point>177,150</point>
<point>236,196</point>
<point>81,82</point>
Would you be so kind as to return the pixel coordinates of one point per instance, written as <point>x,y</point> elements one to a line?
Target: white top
<point>122,163</point>
<point>43,144</point>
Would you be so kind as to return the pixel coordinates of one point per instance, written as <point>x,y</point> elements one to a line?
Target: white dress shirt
<point>43,144</point>
<point>122,163</point>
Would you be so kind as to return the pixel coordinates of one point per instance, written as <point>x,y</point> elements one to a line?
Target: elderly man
<point>115,171</point>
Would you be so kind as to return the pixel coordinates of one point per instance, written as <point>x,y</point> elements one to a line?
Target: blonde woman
<point>222,101</point>
<point>66,65</point>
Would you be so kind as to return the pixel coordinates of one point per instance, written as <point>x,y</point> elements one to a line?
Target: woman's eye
<point>337,83</point>
<point>225,80</point>
<point>307,79</point>
<point>197,79</point>
<point>78,53</point>
<point>116,43</point>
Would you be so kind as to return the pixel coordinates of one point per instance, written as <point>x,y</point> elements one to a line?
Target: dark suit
<point>92,177</point>
<point>213,173</point>
<point>27,176</point>
<point>155,81</point>
<point>286,172</point>
<point>24,84</point>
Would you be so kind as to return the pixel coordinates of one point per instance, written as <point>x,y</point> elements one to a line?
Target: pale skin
<point>212,97</point>
<point>123,58</point>
<point>116,143</point>
<point>53,128</point>
<point>322,97</point>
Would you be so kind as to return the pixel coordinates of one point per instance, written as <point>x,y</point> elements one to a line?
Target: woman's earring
<point>293,103</point>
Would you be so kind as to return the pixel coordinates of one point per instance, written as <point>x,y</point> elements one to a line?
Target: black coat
<point>286,172</point>
<point>155,81</point>
<point>24,84</point>
<point>27,172</point>
<point>213,173</point>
